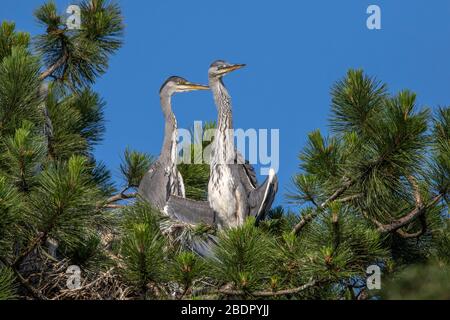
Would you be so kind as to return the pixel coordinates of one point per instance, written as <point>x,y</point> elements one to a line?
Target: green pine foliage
<point>9,38</point>
<point>80,56</point>
<point>19,90</point>
<point>63,205</point>
<point>243,258</point>
<point>134,167</point>
<point>143,248</point>
<point>7,286</point>
<point>9,213</point>
<point>185,269</point>
<point>77,122</point>
<point>22,156</point>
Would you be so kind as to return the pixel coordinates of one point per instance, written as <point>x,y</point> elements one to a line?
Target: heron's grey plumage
<point>194,212</point>
<point>205,247</point>
<point>163,178</point>
<point>232,191</point>
<point>247,173</point>
<point>190,211</point>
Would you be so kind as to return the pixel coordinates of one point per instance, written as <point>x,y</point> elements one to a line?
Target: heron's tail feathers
<point>261,199</point>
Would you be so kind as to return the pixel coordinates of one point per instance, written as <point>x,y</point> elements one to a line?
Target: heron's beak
<point>232,68</point>
<point>188,86</point>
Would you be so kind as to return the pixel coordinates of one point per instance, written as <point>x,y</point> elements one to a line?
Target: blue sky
<point>295,51</point>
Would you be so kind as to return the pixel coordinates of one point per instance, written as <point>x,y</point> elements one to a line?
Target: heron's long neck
<point>223,144</point>
<point>169,148</point>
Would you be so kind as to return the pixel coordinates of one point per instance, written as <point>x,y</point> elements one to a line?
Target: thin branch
<point>336,233</point>
<point>337,194</point>
<point>414,214</point>
<point>349,198</point>
<point>269,293</point>
<point>110,203</point>
<point>113,206</point>
<point>418,198</point>
<point>403,221</point>
<point>406,235</point>
<point>60,62</point>
<point>36,293</point>
<point>299,226</point>
<point>121,196</point>
<point>305,219</point>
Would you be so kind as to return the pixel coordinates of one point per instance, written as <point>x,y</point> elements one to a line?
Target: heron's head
<point>178,84</point>
<point>220,68</point>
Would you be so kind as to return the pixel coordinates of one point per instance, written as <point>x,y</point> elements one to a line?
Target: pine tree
<point>51,187</point>
<point>382,176</point>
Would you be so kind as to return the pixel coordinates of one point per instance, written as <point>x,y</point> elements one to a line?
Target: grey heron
<point>163,178</point>
<point>232,191</point>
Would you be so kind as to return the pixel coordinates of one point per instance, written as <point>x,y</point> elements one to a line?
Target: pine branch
<point>111,201</point>
<point>421,232</point>
<point>303,222</point>
<point>418,198</point>
<point>121,196</point>
<point>60,62</point>
<point>349,198</point>
<point>403,221</point>
<point>423,220</point>
<point>113,206</point>
<point>299,226</point>
<point>269,293</point>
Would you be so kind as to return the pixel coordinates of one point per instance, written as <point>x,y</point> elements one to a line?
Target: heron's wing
<point>205,247</point>
<point>246,173</point>
<point>194,212</point>
<point>154,186</point>
<point>260,200</point>
<point>190,211</point>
